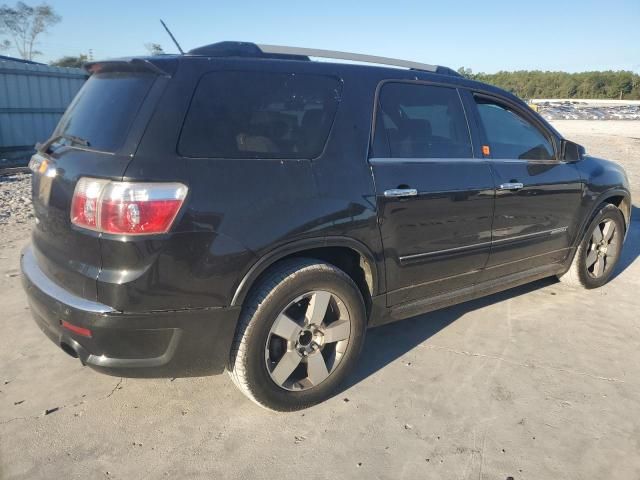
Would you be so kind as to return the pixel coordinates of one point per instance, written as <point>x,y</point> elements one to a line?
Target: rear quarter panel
<point>240,210</point>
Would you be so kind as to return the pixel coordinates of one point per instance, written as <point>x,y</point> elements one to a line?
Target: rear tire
<point>598,252</point>
<point>300,332</point>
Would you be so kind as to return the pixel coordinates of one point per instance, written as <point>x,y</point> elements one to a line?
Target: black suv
<point>244,207</point>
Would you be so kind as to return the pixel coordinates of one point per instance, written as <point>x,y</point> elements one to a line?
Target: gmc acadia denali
<point>243,207</point>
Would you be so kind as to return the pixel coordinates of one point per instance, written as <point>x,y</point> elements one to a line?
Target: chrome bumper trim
<point>35,275</point>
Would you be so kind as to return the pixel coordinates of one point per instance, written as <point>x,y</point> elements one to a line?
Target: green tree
<point>71,61</point>
<point>465,72</point>
<point>24,24</point>
<point>538,84</point>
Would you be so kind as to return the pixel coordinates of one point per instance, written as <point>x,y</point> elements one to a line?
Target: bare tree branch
<point>24,24</point>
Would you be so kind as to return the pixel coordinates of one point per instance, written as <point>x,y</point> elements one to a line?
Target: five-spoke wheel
<point>602,248</point>
<point>300,332</point>
<point>307,340</point>
<point>599,250</point>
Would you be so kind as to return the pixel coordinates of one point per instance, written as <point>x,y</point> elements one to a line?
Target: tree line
<point>22,25</point>
<point>538,84</point>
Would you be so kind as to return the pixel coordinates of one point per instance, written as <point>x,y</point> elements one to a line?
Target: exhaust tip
<point>69,350</point>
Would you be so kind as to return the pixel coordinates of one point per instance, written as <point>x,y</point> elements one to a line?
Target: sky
<point>486,36</point>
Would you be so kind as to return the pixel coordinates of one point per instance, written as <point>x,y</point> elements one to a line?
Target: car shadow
<point>631,249</point>
<point>386,343</point>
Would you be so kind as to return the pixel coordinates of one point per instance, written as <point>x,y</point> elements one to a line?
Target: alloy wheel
<point>603,248</point>
<point>308,340</point>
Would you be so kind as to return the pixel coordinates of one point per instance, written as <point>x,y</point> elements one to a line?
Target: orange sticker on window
<point>43,167</point>
<point>485,150</point>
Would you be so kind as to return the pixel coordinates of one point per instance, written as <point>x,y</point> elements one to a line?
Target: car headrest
<point>417,128</point>
<point>312,119</point>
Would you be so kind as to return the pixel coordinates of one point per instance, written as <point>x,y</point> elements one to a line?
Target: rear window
<point>260,115</point>
<point>106,105</point>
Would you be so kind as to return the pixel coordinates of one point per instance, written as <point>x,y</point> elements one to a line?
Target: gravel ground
<point>539,382</point>
<point>15,200</point>
<point>614,140</point>
<point>569,110</point>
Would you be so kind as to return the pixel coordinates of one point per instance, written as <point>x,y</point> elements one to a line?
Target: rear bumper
<point>186,342</point>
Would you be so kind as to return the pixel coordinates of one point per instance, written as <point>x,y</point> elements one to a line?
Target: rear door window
<point>421,121</point>
<point>260,115</point>
<point>104,109</point>
<point>510,135</point>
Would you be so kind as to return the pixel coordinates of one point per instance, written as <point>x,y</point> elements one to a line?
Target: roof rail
<point>246,49</point>
<point>355,57</point>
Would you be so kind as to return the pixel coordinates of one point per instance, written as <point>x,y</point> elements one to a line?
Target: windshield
<point>104,109</point>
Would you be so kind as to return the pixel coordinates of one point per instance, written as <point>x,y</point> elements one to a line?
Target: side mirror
<point>571,151</point>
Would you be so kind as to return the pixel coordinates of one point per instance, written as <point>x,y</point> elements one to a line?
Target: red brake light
<point>85,332</point>
<point>126,207</point>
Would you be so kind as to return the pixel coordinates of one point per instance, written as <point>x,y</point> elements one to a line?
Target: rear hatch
<point>96,137</point>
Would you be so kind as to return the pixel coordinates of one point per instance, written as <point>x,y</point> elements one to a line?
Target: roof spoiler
<point>136,65</point>
<point>242,49</point>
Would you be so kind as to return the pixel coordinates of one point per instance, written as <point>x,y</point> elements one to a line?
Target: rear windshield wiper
<point>73,140</point>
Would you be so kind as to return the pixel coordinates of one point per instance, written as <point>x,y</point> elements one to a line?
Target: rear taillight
<point>84,206</point>
<point>127,208</point>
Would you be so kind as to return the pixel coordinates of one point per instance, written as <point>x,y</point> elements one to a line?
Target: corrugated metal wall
<point>32,100</point>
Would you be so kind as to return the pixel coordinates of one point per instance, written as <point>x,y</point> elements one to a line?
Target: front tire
<point>599,251</point>
<point>300,332</point>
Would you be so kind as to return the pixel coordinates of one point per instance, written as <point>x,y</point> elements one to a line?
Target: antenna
<point>172,37</point>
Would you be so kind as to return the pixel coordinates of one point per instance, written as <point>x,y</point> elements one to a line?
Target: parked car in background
<point>244,207</point>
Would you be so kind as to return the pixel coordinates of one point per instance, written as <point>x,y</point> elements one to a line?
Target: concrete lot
<point>539,382</point>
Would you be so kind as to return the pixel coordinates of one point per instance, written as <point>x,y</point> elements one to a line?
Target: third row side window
<point>260,115</point>
<point>421,121</point>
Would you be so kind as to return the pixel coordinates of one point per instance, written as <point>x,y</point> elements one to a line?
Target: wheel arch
<point>623,202</point>
<point>339,251</point>
<point>619,197</point>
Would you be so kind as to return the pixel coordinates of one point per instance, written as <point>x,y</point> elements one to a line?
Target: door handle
<point>511,186</point>
<point>400,192</point>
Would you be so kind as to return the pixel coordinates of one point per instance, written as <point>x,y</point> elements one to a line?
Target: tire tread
<point>281,272</point>
<point>572,276</point>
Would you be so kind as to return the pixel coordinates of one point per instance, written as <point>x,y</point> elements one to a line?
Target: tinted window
<point>260,115</point>
<point>511,136</point>
<point>421,121</point>
<point>104,109</point>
